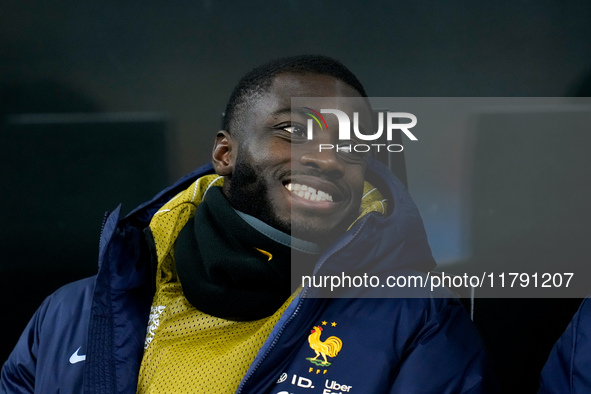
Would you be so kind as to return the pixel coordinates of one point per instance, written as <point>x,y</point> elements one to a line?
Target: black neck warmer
<point>222,272</point>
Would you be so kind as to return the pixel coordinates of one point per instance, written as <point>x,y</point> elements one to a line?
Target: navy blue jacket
<point>89,335</point>
<point>568,369</point>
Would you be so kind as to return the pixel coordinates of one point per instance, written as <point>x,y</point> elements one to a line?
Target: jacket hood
<point>144,212</point>
<point>381,244</point>
<point>376,244</point>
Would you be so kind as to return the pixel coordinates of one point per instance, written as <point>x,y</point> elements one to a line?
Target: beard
<point>248,193</point>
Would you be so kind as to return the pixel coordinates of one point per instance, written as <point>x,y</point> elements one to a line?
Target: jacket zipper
<point>105,217</point>
<point>298,307</point>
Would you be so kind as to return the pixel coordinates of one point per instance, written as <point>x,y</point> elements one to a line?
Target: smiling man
<point>273,160</point>
<point>195,293</point>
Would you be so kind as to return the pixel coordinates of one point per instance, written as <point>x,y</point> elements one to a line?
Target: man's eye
<point>295,130</point>
<point>345,148</point>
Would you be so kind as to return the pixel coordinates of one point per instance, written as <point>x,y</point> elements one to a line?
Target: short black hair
<point>255,83</point>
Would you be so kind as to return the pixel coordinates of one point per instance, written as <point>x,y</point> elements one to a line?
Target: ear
<point>224,153</point>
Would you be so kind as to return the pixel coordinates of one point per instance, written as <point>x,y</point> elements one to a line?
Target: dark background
<point>184,58</point>
<point>181,59</point>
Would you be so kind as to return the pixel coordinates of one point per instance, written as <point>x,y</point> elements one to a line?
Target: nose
<point>324,160</point>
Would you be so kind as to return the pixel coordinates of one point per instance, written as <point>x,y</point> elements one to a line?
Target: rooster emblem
<point>330,347</point>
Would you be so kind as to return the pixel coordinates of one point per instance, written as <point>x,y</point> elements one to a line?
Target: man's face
<point>274,159</point>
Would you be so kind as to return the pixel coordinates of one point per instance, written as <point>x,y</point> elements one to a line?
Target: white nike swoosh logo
<point>76,358</point>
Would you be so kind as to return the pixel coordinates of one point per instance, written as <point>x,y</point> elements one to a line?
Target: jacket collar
<point>398,238</point>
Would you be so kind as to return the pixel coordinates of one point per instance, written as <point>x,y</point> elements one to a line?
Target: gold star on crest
<point>334,324</point>
<point>324,323</point>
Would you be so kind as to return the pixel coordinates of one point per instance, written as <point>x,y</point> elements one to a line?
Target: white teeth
<point>307,192</point>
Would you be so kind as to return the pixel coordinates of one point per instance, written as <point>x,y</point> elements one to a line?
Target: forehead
<point>328,90</point>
